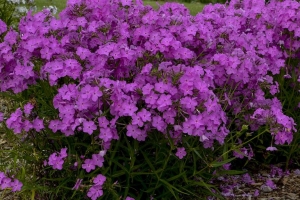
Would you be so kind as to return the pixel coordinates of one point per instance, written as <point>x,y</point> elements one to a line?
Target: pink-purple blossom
<point>180,152</point>
<point>7,182</point>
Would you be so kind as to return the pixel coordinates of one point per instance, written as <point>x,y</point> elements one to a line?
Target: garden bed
<point>117,100</point>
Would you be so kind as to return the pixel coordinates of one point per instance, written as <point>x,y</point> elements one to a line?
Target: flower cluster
<point>56,160</point>
<point>97,160</point>
<point>96,190</point>
<point>120,65</point>
<point>7,182</point>
<point>22,121</point>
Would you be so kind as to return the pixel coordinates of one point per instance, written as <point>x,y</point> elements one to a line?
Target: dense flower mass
<point>122,65</point>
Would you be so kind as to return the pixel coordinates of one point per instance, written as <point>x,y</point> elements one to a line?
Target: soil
<point>287,186</point>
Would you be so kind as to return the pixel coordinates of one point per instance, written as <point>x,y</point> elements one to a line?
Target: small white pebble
<point>265,188</point>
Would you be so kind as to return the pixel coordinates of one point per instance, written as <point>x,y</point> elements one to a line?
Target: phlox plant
<point>115,100</point>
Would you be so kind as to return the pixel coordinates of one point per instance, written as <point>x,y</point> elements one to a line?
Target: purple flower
<point>256,193</point>
<point>15,121</point>
<point>81,21</point>
<point>270,183</point>
<point>83,53</point>
<point>169,116</point>
<point>147,89</point>
<point>276,170</point>
<point>16,185</point>
<point>89,127</point>
<point>180,152</point>
<point>88,92</point>
<point>105,134</point>
<point>227,166</point>
<point>281,138</point>
<point>197,121</point>
<point>88,165</point>
<point>11,36</point>
<point>63,153</point>
<point>82,104</point>
<point>271,148</point>
<point>247,179</point>
<point>73,2</point>
<point>77,184</point>
<point>67,111</point>
<point>2,176</point>
<point>98,160</point>
<point>188,127</point>
<point>56,24</point>
<point>129,109</point>
<point>28,108</point>
<point>163,102</point>
<point>126,2</point>
<point>103,122</point>
<point>161,87</point>
<point>54,125</point>
<point>56,161</point>
<point>151,98</point>
<point>27,125</point>
<point>99,180</point>
<point>3,27</point>
<point>95,192</point>
<point>136,120</point>
<point>144,115</point>
<point>147,69</point>
<point>244,152</point>
<point>159,123</point>
<point>38,124</point>
<point>5,183</point>
<point>133,131</point>
<point>189,103</point>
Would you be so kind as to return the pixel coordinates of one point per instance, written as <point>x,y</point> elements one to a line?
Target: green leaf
<point>176,177</point>
<point>146,173</point>
<point>118,173</point>
<point>201,183</point>
<point>171,187</point>
<point>148,161</point>
<point>121,166</point>
<point>244,127</point>
<point>221,163</point>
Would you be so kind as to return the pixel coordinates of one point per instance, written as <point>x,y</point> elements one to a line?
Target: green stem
<point>231,149</point>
